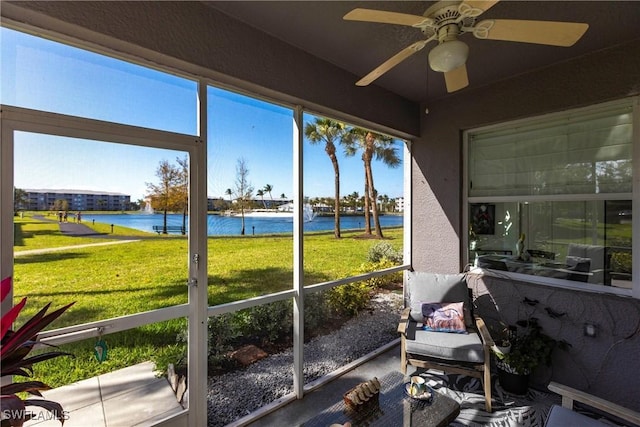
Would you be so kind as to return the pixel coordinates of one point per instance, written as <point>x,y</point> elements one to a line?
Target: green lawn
<point>116,280</point>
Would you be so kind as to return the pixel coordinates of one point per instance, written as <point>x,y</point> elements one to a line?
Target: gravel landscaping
<point>272,377</point>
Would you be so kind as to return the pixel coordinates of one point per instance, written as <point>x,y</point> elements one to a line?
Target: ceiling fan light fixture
<point>448,56</point>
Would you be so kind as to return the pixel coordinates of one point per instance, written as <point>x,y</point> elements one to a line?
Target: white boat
<point>283,211</point>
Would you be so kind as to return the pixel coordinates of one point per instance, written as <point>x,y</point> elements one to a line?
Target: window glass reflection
<point>584,241</point>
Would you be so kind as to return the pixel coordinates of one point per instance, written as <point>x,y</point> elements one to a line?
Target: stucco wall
<point>607,365</point>
<point>227,49</point>
<point>437,170</point>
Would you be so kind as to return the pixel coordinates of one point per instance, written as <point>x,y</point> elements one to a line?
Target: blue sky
<point>48,76</point>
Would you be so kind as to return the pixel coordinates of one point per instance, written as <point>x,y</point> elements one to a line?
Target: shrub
<point>351,298</point>
<point>222,332</point>
<point>316,312</point>
<point>380,281</point>
<point>270,322</point>
<point>384,250</point>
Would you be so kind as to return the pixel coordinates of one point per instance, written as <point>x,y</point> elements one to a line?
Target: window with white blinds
<point>580,152</point>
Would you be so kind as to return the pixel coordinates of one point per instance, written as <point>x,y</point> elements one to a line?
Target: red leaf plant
<point>15,347</point>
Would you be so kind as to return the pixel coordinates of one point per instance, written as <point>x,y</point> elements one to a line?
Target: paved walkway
<point>77,229</point>
<point>18,254</point>
<point>132,396</point>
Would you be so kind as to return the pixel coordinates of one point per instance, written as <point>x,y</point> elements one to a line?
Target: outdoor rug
<point>530,410</point>
<point>509,410</point>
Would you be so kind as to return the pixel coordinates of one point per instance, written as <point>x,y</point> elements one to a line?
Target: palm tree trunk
<point>374,205</point>
<point>336,206</point>
<point>367,208</point>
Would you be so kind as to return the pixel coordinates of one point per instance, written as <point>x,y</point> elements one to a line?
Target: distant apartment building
<point>77,200</point>
<point>399,204</point>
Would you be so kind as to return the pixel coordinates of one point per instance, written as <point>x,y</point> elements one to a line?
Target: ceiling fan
<point>445,21</point>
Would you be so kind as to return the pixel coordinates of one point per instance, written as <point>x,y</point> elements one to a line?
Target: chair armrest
<point>570,394</point>
<point>484,332</point>
<point>404,320</point>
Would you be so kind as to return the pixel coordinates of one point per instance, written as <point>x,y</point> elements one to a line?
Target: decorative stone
<point>248,354</point>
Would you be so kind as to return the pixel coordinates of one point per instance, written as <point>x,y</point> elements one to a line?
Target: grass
<point>116,280</point>
<point>31,233</point>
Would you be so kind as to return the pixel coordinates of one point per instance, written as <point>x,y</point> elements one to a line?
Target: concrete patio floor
<point>129,397</point>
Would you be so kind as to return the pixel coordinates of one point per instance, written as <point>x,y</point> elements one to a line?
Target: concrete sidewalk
<point>79,230</point>
<point>132,396</point>
<point>66,248</point>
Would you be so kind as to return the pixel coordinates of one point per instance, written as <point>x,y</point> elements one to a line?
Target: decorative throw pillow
<point>444,317</point>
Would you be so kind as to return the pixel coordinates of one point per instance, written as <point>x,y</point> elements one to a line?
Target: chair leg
<point>403,356</point>
<point>487,388</point>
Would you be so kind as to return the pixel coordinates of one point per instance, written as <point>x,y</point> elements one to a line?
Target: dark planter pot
<point>513,383</point>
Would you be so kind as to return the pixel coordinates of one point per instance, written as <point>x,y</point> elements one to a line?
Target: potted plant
<point>529,348</point>
<point>503,338</point>
<point>15,347</point>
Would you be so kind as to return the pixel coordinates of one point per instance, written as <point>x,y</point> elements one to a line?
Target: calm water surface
<point>224,225</point>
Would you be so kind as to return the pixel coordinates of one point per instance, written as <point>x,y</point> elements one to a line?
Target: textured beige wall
<point>607,365</point>
<point>437,169</point>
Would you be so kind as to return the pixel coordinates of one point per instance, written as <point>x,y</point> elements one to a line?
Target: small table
<point>395,409</point>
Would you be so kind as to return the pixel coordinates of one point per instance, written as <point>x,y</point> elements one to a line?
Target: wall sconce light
<point>590,330</point>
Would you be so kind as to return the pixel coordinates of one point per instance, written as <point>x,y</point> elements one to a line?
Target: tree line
<point>371,145</point>
<point>171,193</point>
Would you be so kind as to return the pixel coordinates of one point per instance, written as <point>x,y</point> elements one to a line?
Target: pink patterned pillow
<point>444,317</point>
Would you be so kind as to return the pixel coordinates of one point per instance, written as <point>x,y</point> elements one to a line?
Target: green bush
<point>380,281</point>
<point>270,322</point>
<point>384,250</point>
<point>222,332</point>
<point>351,298</point>
<point>316,312</point>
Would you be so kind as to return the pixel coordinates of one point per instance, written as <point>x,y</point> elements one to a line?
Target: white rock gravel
<point>236,394</point>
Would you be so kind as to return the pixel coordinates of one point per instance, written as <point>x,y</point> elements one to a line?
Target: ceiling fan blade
<point>392,62</point>
<point>473,8</point>
<point>456,79</point>
<point>384,17</point>
<point>552,33</point>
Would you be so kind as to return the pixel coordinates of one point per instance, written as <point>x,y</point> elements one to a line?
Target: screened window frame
<point>634,195</point>
<point>198,310</point>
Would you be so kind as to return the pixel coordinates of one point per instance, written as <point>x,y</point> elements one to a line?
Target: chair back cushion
<point>423,287</point>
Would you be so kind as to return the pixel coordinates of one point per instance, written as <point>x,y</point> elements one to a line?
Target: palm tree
<point>261,194</point>
<point>329,131</point>
<point>228,192</point>
<point>372,145</point>
<point>268,188</point>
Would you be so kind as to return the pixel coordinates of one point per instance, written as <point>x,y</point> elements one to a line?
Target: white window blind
<point>584,152</point>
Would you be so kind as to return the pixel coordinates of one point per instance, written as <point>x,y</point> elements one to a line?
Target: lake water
<point>225,225</point>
